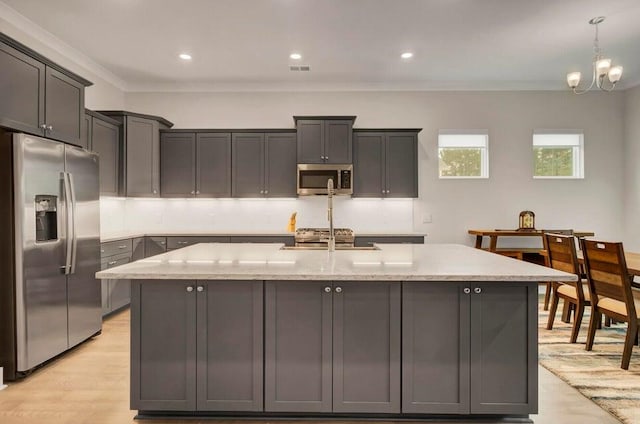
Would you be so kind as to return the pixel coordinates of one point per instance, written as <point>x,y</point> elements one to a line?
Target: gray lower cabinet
<point>214,359</point>
<point>362,241</point>
<point>264,165</point>
<point>332,347</point>
<point>286,240</point>
<point>138,249</point>
<point>385,164</point>
<point>115,293</point>
<point>485,358</point>
<point>177,242</point>
<point>154,246</point>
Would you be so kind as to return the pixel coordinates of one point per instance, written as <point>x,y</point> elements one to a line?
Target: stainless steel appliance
<point>313,179</point>
<point>52,301</point>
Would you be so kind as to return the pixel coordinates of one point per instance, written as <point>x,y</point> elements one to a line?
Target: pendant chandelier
<point>602,69</point>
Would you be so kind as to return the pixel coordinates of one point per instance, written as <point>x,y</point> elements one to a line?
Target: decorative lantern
<point>527,221</point>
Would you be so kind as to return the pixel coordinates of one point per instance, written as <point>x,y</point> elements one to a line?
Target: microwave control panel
<point>345,179</point>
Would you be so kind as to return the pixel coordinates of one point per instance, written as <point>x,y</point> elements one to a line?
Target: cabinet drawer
<point>180,242</point>
<point>114,261</point>
<point>369,241</point>
<point>115,248</point>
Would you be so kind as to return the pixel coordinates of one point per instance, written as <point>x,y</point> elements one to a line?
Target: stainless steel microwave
<point>313,178</point>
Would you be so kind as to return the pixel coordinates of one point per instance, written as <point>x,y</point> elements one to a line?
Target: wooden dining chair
<point>547,292</point>
<point>611,292</point>
<point>561,254</point>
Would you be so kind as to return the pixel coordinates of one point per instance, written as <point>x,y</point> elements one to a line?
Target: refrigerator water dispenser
<point>46,217</point>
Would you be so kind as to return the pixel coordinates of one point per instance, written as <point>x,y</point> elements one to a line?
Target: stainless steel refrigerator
<point>51,300</point>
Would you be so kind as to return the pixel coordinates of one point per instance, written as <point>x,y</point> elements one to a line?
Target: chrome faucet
<point>331,245</point>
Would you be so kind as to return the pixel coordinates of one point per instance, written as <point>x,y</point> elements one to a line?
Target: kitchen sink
<point>325,248</point>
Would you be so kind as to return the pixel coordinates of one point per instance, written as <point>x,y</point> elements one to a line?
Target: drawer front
<point>115,248</point>
<point>180,242</point>
<point>114,261</point>
<point>370,240</point>
<point>286,240</point>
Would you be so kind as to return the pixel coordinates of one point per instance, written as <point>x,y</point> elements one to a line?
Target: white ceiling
<point>349,44</point>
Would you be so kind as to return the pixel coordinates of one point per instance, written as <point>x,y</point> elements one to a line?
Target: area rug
<point>596,374</point>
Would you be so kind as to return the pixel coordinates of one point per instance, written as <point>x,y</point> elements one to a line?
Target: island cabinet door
<point>435,347</point>
<point>230,346</point>
<point>366,347</point>
<point>163,345</point>
<point>298,346</point>
<point>504,373</point>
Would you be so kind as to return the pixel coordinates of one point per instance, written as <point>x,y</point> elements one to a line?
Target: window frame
<point>484,153</point>
<point>577,153</point>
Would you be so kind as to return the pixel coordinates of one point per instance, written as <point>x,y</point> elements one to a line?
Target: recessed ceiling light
<point>185,56</point>
<point>406,55</point>
<point>295,56</point>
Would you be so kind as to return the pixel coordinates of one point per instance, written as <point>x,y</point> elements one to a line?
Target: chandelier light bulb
<point>603,66</point>
<point>573,79</point>
<point>615,74</point>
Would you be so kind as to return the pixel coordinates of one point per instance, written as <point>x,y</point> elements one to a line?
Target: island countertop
<point>401,262</point>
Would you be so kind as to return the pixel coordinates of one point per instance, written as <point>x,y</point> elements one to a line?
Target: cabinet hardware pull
<point>197,191</point>
<point>327,289</point>
<point>50,128</point>
<point>200,289</point>
<point>477,290</point>
<point>193,192</point>
<point>189,289</point>
<point>112,262</point>
<point>122,246</point>
<point>266,192</point>
<point>466,290</point>
<point>183,242</point>
<point>155,191</point>
<point>338,289</point>
<point>43,126</point>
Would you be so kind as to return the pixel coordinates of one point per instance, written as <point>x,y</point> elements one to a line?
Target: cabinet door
<point>297,346</point>
<point>178,165</point>
<point>435,348</point>
<point>154,246</point>
<point>286,240</point>
<point>105,140</point>
<point>104,290</point>
<point>338,141</point>
<point>163,345</point>
<point>137,251</point>
<point>280,165</point>
<point>504,348</point>
<point>119,294</point>
<point>366,347</point>
<point>213,167</point>
<point>142,157</point>
<point>368,165</point>
<point>85,141</point>
<point>247,153</point>
<point>64,107</point>
<point>22,87</point>
<point>401,165</point>
<point>310,136</point>
<point>230,346</point>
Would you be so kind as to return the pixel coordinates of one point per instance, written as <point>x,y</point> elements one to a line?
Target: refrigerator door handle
<point>66,184</point>
<point>74,238</point>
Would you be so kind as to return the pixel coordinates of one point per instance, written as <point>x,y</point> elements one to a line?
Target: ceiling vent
<point>300,68</point>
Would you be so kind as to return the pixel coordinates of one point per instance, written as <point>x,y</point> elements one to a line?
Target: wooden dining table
<point>495,234</point>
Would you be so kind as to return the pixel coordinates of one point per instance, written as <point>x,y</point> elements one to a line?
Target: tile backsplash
<point>252,215</point>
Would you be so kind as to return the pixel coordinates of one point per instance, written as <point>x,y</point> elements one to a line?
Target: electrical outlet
<point>426,218</point>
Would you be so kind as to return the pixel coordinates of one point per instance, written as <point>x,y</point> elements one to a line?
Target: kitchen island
<point>407,331</point>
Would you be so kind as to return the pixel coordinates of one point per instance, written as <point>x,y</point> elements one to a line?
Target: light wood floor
<point>90,385</point>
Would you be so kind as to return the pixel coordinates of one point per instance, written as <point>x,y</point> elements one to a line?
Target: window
<point>463,154</point>
<point>558,154</point>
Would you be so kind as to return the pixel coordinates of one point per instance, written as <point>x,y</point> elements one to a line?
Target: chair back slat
<point>607,271</point>
<point>561,251</point>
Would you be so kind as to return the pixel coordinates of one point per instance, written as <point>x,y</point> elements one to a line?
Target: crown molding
<point>17,26</point>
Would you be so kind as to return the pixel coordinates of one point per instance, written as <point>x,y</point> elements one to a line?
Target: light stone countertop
<point>393,262</point>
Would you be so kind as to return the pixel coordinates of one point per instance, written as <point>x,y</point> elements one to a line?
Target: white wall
<point>632,169</point>
<point>594,203</point>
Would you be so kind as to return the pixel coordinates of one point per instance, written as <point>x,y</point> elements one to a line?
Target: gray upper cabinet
<point>366,347</point>
<point>263,165</point>
<point>324,140</point>
<point>486,351</point>
<point>280,165</point>
<point>105,140</point>
<point>178,164</point>
<point>385,164</point>
<point>85,141</point>
<point>38,96</point>
<point>229,355</point>
<point>213,165</point>
<point>142,157</point>
<point>64,107</point>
